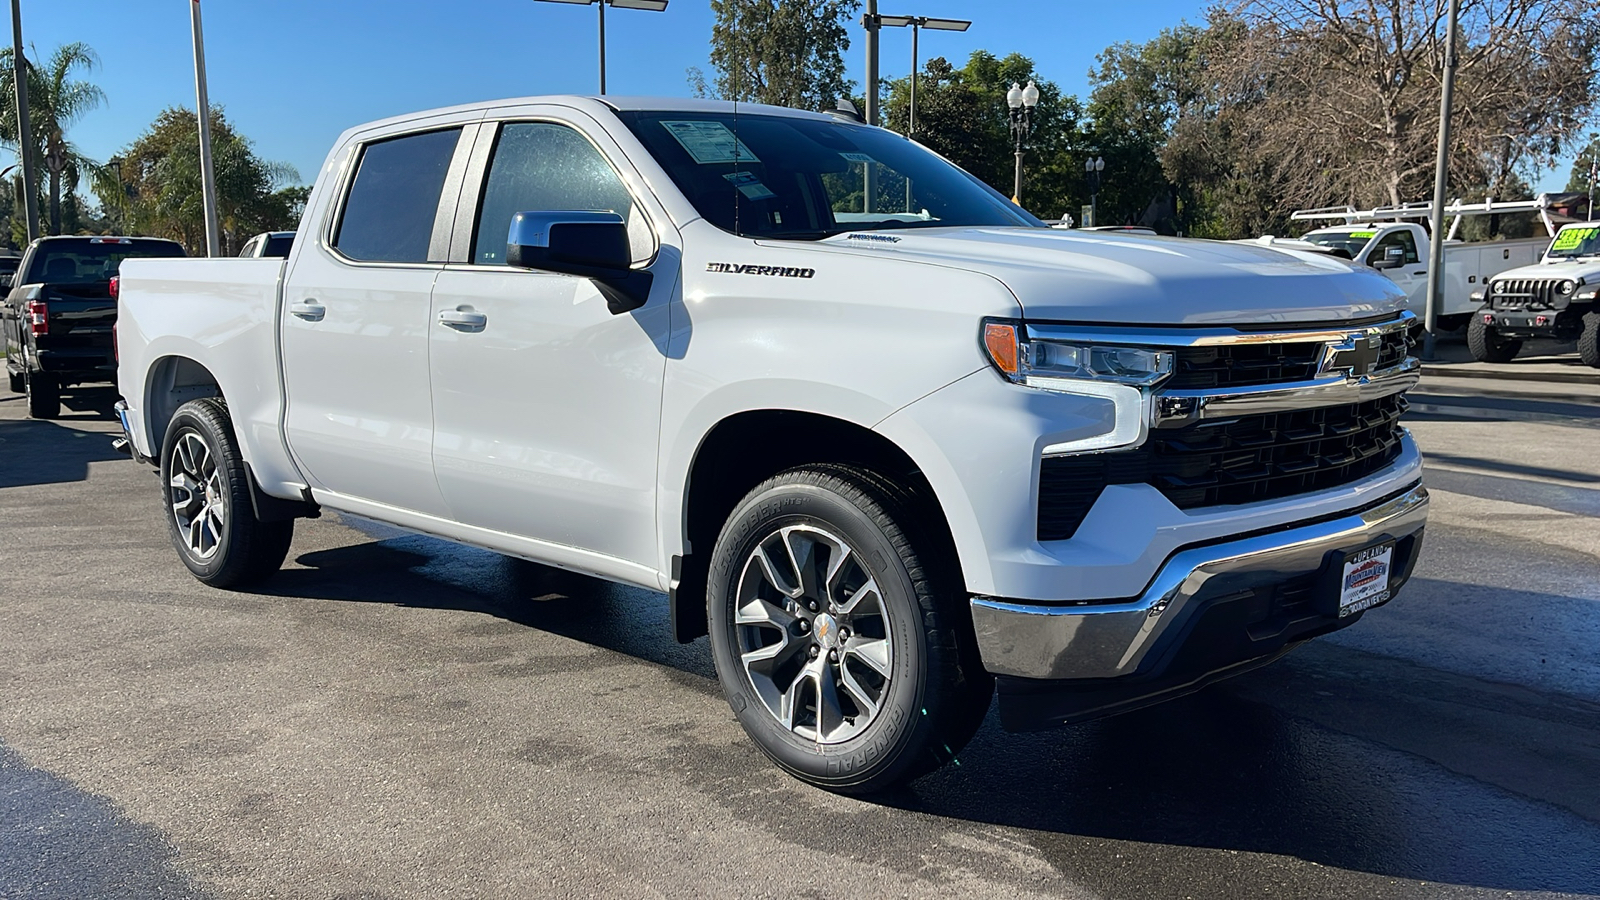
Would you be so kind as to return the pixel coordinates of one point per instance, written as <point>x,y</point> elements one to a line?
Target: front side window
<point>1402,239</point>
<point>394,198</point>
<point>796,178</point>
<point>547,167</point>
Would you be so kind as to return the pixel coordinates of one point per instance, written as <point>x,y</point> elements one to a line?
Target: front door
<point>1412,274</point>
<point>356,322</point>
<point>546,406</point>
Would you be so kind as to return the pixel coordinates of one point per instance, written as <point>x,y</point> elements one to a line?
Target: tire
<point>1589,340</point>
<point>215,530</point>
<point>910,670</point>
<point>1487,345</point>
<point>44,395</point>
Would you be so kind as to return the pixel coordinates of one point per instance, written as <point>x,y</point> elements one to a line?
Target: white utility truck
<point>886,451</point>
<point>1556,298</point>
<point>1382,240</point>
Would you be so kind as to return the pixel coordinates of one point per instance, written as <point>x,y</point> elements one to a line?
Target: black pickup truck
<point>58,315</point>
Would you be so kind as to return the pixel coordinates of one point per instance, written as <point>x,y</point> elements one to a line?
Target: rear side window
<point>544,167</point>
<point>389,213</point>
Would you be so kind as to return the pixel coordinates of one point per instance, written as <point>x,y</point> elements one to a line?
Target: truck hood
<point>1083,276</point>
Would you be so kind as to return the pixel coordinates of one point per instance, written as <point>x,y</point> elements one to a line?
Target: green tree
<point>780,52</point>
<point>158,188</point>
<point>56,100</point>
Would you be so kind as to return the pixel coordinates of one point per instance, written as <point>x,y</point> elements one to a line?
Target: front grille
<point>1524,293</point>
<point>1249,365</point>
<point>1227,461</point>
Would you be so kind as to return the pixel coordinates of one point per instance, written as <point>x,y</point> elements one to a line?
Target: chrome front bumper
<point>1110,640</point>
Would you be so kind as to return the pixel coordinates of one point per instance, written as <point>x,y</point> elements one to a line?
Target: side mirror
<point>587,243</point>
<point>1393,258</point>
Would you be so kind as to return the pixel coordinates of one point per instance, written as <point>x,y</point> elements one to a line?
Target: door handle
<point>310,310</point>
<point>463,318</point>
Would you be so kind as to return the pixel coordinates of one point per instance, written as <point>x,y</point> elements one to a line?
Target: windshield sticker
<point>750,186</point>
<point>710,142</point>
<point>1571,238</point>
<point>858,158</point>
<point>1363,235</point>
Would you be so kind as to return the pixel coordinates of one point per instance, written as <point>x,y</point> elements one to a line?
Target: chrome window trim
<point>352,166</point>
<point>471,200</point>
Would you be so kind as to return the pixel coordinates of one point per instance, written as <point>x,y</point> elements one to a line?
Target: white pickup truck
<point>885,453</point>
<point>1400,251</point>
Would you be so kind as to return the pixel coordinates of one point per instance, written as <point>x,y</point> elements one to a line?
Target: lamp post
<point>647,5</point>
<point>917,23</point>
<point>1022,100</point>
<point>208,176</point>
<point>1441,174</point>
<point>19,75</point>
<point>1091,171</point>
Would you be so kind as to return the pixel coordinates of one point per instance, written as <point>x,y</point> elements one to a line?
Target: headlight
<point>1566,287</point>
<point>1021,360</point>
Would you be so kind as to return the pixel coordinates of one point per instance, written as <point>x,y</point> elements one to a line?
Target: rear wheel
<point>44,395</point>
<point>1589,340</point>
<point>1487,345</point>
<point>842,645</point>
<point>209,514</point>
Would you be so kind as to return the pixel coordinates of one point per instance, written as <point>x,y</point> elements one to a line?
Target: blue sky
<point>293,74</point>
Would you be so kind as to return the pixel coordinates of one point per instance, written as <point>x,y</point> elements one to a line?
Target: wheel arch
<point>171,381</point>
<point>737,454</point>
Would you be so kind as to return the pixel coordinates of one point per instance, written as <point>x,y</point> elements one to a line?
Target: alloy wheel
<point>814,634</point>
<point>197,496</point>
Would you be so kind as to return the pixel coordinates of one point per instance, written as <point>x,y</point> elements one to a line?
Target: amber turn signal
<point>1000,339</point>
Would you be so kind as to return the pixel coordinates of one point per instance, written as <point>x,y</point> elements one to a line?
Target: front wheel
<point>1589,340</point>
<point>209,514</point>
<point>1487,345</point>
<point>840,638</point>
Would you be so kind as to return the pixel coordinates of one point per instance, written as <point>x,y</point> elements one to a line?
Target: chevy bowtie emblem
<point>1353,357</point>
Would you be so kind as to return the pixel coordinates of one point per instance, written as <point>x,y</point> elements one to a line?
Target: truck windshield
<point>1342,243</point>
<point>1574,241</point>
<point>795,178</point>
<point>89,260</point>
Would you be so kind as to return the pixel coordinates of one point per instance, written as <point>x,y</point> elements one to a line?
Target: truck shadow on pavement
<point>1242,767</point>
<point>53,453</point>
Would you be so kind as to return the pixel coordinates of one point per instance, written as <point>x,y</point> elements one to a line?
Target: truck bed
<point>173,311</point>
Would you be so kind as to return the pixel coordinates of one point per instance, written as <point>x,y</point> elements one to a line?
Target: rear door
<point>356,322</point>
<point>548,408</point>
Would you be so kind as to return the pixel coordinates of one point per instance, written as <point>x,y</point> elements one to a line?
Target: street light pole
<point>648,5</point>
<point>916,23</point>
<point>1441,174</point>
<point>1021,100</point>
<point>1091,170</point>
<point>208,177</point>
<point>19,74</point>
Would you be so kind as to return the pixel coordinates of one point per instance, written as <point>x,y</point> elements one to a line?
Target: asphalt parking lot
<point>394,716</point>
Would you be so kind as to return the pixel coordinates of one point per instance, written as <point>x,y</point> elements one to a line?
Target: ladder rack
<point>1424,210</point>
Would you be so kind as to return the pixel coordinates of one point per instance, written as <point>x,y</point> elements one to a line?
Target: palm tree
<point>56,100</point>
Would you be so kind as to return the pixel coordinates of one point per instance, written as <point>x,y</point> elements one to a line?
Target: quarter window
<point>394,198</point>
<point>544,167</point>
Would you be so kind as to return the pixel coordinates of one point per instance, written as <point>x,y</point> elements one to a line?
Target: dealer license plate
<point>1364,583</point>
